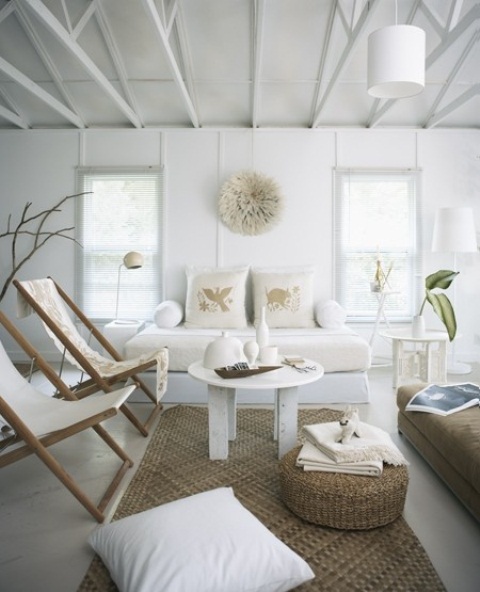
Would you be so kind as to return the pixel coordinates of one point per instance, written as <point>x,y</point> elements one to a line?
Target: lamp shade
<point>133,260</point>
<point>454,231</point>
<point>396,62</point>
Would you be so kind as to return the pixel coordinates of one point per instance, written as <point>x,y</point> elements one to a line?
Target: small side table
<point>119,332</point>
<point>419,358</point>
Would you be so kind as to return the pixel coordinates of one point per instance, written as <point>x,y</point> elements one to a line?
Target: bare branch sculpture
<point>39,236</point>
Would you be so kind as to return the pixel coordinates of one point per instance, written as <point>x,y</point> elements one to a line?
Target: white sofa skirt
<point>333,387</point>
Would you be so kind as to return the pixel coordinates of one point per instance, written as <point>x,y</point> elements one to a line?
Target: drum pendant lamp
<point>396,62</point>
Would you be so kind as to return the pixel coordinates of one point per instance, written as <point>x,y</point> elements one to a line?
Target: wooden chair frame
<point>27,443</point>
<point>96,381</point>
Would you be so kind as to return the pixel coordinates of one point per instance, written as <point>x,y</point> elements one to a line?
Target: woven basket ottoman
<point>343,501</point>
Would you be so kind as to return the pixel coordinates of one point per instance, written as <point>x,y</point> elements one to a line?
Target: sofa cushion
<point>450,444</point>
<point>216,297</point>
<point>286,294</point>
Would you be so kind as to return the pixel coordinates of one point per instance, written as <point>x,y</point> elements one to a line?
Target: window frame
<point>410,294</point>
<point>153,270</point>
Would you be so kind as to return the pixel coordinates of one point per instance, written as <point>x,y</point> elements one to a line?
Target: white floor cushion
<point>205,542</point>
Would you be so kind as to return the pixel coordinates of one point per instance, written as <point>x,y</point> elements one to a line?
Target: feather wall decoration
<point>250,203</point>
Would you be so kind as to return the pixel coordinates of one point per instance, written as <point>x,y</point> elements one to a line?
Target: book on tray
<point>445,399</point>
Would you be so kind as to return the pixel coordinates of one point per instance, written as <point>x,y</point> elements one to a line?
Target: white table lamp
<point>132,260</point>
<point>454,232</point>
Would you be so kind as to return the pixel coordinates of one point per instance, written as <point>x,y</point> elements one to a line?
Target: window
<point>376,218</point>
<point>123,212</point>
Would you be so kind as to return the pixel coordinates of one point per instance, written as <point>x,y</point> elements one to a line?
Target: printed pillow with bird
<point>216,297</point>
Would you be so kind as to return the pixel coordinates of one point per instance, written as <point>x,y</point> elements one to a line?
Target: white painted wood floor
<point>43,529</point>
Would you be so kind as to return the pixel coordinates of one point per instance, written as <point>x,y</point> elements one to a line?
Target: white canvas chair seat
<point>45,297</point>
<point>38,421</point>
<point>44,414</point>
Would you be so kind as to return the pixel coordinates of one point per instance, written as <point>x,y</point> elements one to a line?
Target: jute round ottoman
<point>343,501</point>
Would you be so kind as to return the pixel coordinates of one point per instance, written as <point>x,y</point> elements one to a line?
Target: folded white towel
<point>310,458</point>
<point>374,444</point>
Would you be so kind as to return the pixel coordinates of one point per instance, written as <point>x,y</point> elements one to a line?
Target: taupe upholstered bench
<point>343,501</point>
<point>451,445</point>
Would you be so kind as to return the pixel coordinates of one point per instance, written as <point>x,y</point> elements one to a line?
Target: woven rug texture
<point>176,464</point>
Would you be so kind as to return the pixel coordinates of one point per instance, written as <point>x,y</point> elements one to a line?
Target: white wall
<point>39,166</point>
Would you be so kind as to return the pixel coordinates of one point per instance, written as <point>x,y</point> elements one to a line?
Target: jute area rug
<point>176,465</point>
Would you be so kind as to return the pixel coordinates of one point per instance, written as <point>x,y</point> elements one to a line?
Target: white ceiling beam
<point>84,19</point>
<point>67,16</point>
<point>323,60</point>
<point>13,106</point>
<point>258,37</point>
<point>6,11</point>
<point>162,36</point>
<point>38,91</point>
<point>55,27</point>
<point>353,40</point>
<point>440,28</point>
<point>29,29</point>
<point>453,74</point>
<point>342,17</point>
<point>454,15</point>
<point>171,18</point>
<point>12,112</point>
<point>469,94</point>
<point>115,55</point>
<point>467,21</point>
<point>184,47</point>
<point>12,117</point>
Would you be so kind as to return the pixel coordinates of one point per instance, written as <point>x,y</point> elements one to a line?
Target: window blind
<point>376,217</point>
<point>122,212</point>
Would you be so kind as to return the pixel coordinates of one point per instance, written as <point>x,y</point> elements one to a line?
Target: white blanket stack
<point>361,456</point>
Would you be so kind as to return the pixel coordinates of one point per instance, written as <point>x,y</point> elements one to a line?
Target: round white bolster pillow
<point>168,313</point>
<point>330,314</point>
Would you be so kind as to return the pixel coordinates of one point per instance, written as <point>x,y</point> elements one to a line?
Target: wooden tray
<point>243,373</point>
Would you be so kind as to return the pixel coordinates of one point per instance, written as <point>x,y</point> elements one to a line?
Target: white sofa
<point>344,355</point>
<point>230,299</point>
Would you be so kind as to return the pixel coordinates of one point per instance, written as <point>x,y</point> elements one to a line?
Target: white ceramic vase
<point>251,351</point>
<point>223,351</point>
<point>418,326</point>
<point>262,332</point>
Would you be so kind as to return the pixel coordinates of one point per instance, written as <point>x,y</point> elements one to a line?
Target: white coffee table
<point>222,403</point>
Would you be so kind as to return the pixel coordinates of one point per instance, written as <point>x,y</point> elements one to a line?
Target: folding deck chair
<point>47,299</point>
<point>32,421</point>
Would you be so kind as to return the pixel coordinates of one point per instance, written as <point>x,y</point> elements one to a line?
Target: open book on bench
<point>445,399</point>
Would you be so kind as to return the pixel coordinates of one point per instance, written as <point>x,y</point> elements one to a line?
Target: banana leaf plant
<point>440,303</point>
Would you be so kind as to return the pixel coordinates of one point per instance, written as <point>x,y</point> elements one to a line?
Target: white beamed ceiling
<point>227,63</point>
